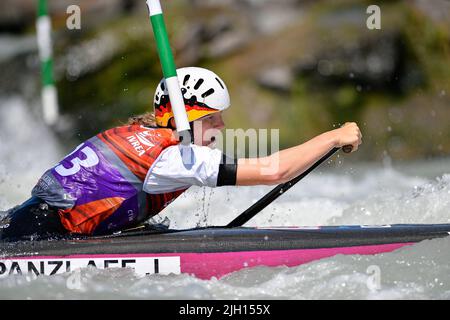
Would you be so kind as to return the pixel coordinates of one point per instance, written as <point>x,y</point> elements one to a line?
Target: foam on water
<point>378,196</point>
<point>27,149</point>
<point>415,272</point>
<point>369,194</point>
<point>424,203</point>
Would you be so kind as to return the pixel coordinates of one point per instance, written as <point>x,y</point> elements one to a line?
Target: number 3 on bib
<point>90,161</point>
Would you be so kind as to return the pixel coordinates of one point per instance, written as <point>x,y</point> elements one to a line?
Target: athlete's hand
<point>348,135</point>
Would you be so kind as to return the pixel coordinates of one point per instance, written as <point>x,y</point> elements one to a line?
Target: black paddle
<point>278,191</point>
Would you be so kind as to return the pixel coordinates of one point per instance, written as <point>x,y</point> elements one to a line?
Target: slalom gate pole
<point>169,70</point>
<point>49,94</point>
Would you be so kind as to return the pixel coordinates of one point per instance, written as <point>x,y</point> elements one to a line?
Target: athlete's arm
<point>286,164</point>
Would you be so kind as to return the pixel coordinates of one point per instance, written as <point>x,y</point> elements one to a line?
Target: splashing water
<point>371,194</point>
<point>27,149</point>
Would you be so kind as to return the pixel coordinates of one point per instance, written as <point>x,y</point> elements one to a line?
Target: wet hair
<point>146,120</point>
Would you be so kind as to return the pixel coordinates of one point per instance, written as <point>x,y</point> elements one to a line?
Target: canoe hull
<point>209,252</point>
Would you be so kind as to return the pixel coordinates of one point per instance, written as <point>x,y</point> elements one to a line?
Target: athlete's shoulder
<point>154,133</point>
<point>127,129</point>
<point>189,155</point>
<point>179,167</point>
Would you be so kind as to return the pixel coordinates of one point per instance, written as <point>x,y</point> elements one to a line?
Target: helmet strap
<point>191,125</point>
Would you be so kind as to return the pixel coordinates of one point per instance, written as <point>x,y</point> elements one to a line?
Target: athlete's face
<point>208,128</point>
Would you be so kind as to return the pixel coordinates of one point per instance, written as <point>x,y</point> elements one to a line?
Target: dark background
<point>301,66</point>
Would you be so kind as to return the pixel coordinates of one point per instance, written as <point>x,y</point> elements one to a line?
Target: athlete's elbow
<point>266,172</point>
<point>276,174</point>
<point>280,176</point>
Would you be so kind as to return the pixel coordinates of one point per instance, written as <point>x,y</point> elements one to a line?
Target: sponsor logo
<point>142,265</point>
<point>4,222</point>
<point>140,142</point>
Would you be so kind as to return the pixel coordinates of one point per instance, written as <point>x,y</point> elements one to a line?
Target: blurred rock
<point>10,47</point>
<point>188,44</point>
<point>17,15</point>
<point>276,78</point>
<point>377,63</point>
<point>319,52</point>
<point>226,44</point>
<point>90,55</point>
<point>438,10</point>
<point>272,16</point>
<point>18,62</point>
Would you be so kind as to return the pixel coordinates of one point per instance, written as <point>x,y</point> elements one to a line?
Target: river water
<point>342,193</point>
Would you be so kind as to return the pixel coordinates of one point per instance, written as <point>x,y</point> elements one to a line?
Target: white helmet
<point>203,92</point>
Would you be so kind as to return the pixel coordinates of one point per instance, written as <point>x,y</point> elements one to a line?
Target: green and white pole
<point>169,69</point>
<point>49,94</point>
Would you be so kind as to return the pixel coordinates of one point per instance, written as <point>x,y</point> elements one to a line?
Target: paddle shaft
<point>278,191</point>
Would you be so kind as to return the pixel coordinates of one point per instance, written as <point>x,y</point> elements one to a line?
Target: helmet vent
<point>162,86</point>
<point>208,93</point>
<point>220,83</point>
<point>198,84</point>
<point>186,79</point>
